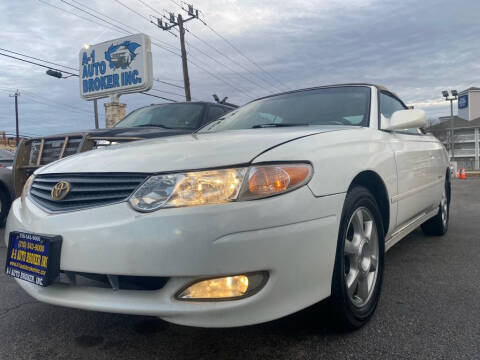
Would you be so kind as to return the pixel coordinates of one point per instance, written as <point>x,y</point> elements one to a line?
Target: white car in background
<point>286,201</point>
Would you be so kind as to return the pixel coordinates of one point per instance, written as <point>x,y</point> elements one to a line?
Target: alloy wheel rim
<point>361,257</point>
<point>444,209</point>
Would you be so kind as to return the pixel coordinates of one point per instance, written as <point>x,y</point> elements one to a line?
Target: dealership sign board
<point>463,101</point>
<point>117,66</point>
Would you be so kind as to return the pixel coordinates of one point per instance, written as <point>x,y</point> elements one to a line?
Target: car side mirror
<point>405,119</point>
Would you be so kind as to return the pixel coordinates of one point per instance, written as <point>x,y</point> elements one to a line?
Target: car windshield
<point>346,105</point>
<point>170,116</point>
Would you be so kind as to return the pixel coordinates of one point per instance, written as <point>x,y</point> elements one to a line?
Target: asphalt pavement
<point>429,309</point>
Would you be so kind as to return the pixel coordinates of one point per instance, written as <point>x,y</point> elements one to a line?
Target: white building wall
<point>474,104</point>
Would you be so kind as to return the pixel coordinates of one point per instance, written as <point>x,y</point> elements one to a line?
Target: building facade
<point>466,129</point>
<point>465,140</point>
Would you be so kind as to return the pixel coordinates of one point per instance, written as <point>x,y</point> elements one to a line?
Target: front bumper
<point>292,236</point>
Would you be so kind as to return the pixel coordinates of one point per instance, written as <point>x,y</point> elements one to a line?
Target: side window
<point>214,112</point>
<point>388,105</point>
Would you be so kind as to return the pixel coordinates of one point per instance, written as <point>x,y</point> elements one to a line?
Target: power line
<point>160,97</point>
<point>215,76</point>
<point>181,29</point>
<point>72,74</point>
<point>168,83</point>
<point>95,16</point>
<point>35,96</point>
<point>150,7</point>
<point>219,62</point>
<point>74,14</point>
<point>167,92</point>
<point>242,54</point>
<point>136,12</point>
<point>233,46</point>
<point>216,60</point>
<point>119,27</point>
<point>128,26</point>
<point>34,63</point>
<point>100,13</point>
<point>31,57</point>
<point>65,107</point>
<point>233,61</point>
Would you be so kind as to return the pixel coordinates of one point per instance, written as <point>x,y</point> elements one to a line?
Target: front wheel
<point>359,260</point>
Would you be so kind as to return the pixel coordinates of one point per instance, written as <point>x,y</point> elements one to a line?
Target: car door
<point>418,160</point>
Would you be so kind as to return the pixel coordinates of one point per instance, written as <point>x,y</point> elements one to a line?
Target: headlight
<point>218,186</point>
<point>188,189</point>
<point>27,186</point>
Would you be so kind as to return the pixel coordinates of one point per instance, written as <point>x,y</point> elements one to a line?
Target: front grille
<point>53,149</point>
<point>86,190</point>
<point>115,282</point>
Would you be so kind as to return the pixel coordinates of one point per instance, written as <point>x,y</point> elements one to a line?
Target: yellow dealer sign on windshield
<point>117,66</point>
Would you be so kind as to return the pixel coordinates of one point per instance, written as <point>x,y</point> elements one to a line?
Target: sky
<point>414,48</point>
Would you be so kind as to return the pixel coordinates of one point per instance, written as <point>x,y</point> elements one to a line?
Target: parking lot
<point>429,309</point>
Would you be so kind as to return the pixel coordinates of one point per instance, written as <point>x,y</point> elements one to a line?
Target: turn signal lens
<point>225,288</point>
<point>271,180</point>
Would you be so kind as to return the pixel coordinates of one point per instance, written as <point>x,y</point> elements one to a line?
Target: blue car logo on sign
<point>120,56</point>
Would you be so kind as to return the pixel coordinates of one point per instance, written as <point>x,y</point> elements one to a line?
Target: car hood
<point>138,131</point>
<point>185,152</point>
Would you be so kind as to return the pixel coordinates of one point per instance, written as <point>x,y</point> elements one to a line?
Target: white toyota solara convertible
<point>286,201</point>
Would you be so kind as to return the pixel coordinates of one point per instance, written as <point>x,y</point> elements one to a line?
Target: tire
<point>438,225</point>
<point>4,206</point>
<point>359,262</point>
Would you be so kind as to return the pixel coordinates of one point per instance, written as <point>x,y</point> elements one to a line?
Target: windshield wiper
<point>156,125</point>
<point>259,126</point>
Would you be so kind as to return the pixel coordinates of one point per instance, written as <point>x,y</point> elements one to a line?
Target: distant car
<point>284,202</point>
<point>147,122</point>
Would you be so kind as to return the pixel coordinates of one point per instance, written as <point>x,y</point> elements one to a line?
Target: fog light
<point>224,288</point>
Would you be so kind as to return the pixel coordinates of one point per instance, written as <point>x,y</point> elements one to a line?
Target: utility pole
<point>179,21</point>
<point>186,79</point>
<point>16,95</point>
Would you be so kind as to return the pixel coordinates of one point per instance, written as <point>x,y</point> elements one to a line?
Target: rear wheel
<point>438,225</point>
<point>358,269</point>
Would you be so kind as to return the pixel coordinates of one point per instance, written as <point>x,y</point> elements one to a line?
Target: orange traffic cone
<point>463,176</point>
<point>458,174</point>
